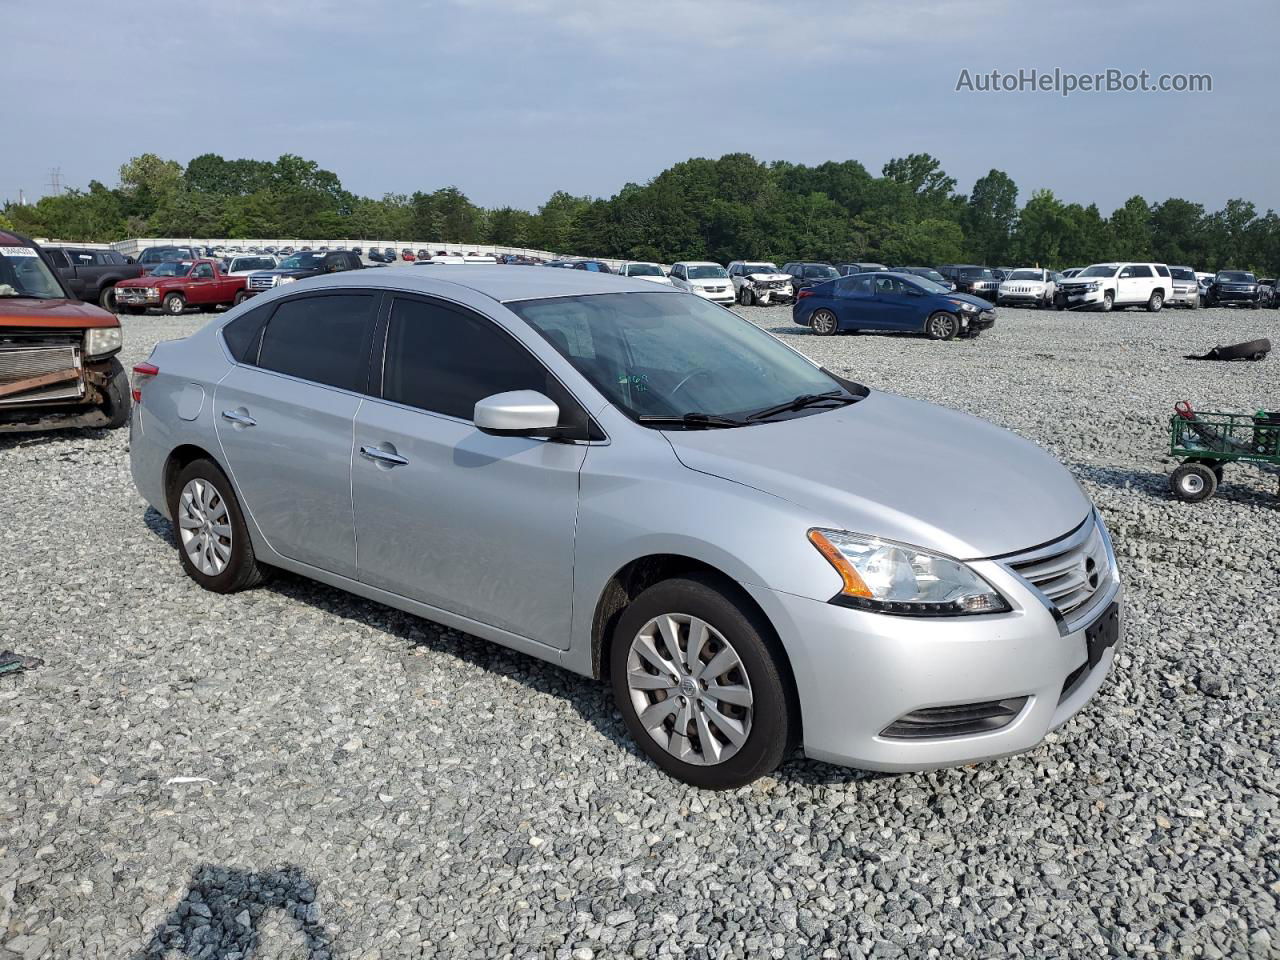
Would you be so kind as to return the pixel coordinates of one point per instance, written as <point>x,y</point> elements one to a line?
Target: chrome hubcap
<point>824,322</point>
<point>1192,483</point>
<point>689,688</point>
<point>204,527</point>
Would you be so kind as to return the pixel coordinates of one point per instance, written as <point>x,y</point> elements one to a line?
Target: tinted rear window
<point>322,339</point>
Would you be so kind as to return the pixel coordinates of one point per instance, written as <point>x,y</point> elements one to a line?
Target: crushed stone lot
<point>295,772</point>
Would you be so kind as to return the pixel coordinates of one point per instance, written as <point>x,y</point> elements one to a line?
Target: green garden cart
<point>1207,442</point>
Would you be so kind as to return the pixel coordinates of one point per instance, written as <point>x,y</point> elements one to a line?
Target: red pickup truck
<point>177,284</point>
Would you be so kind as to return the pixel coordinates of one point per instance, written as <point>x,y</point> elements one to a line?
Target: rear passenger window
<point>848,286</point>
<point>322,339</point>
<point>243,334</point>
<point>1162,270</point>
<point>443,360</point>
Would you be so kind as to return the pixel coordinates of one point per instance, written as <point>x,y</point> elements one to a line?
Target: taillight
<point>142,372</point>
<point>801,294</point>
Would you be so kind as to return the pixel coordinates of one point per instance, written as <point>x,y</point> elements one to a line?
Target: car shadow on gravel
<point>221,915</point>
<point>592,699</point>
<point>38,438</point>
<point>1156,484</point>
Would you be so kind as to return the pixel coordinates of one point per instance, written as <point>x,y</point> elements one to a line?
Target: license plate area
<point>1102,634</point>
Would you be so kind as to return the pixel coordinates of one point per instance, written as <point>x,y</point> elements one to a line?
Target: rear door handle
<point>243,419</point>
<point>379,455</point>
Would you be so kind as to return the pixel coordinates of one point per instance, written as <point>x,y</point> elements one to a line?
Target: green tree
<point>1131,230</point>
<point>990,215</point>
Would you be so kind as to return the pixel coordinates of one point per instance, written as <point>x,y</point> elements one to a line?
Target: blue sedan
<point>891,301</point>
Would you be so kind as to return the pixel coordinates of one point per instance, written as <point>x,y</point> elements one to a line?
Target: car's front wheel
<point>698,680</point>
<point>942,326</point>
<point>174,304</point>
<point>1108,301</point>
<point>107,298</point>
<point>823,323</point>
<point>213,541</point>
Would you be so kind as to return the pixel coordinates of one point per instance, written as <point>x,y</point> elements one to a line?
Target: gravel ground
<point>293,772</point>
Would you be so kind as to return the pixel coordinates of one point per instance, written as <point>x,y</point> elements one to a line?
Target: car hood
<point>29,312</point>
<point>1022,283</point>
<point>967,298</point>
<point>903,470</point>
<point>298,272</point>
<point>148,280</point>
<point>663,280</point>
<point>769,276</point>
<point>709,282</point>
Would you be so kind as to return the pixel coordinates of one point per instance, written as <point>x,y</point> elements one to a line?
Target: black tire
<point>1155,302</point>
<point>1108,301</point>
<point>242,570</point>
<point>1209,301</point>
<point>1214,465</point>
<point>107,298</point>
<point>941,326</point>
<point>823,322</point>
<point>240,298</point>
<point>119,400</point>
<point>774,712</point>
<point>174,304</point>
<point>1193,482</point>
<point>1059,301</point>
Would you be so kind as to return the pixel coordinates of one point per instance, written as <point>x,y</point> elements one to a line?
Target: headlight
<point>1093,287</point>
<point>895,578</point>
<point>966,307</point>
<point>102,340</point>
<point>280,280</point>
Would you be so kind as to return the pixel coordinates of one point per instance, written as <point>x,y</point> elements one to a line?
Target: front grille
<point>261,282</point>
<point>1069,571</point>
<point>131,295</point>
<point>959,720</point>
<point>24,363</point>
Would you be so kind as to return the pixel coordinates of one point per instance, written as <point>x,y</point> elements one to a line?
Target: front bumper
<point>1016,299</point>
<point>136,297</point>
<point>1227,297</point>
<point>725,296</point>
<point>1082,300</point>
<point>1183,297</point>
<point>859,673</point>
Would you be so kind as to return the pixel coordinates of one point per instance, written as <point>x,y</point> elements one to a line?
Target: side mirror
<point>517,413</point>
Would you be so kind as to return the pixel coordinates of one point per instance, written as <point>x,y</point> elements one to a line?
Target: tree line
<point>732,208</point>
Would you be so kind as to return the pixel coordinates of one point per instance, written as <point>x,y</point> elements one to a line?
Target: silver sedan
<point>643,487</point>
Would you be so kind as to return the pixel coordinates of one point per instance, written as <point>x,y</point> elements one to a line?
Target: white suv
<point>1028,286</point>
<point>704,278</point>
<point>1103,286</point>
<point>644,271</point>
<point>758,281</point>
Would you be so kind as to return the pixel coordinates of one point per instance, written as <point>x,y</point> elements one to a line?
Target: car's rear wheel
<point>823,323</point>
<point>699,684</point>
<point>1155,302</point>
<point>174,304</point>
<point>213,542</point>
<point>941,326</point>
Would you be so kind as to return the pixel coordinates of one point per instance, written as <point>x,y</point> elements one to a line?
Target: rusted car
<point>58,365</point>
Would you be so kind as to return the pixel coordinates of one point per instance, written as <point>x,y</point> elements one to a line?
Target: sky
<point>513,100</point>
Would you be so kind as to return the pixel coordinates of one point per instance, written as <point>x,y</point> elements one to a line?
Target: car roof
<point>696,263</point>
<point>496,281</point>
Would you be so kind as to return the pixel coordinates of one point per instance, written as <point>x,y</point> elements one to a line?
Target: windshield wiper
<point>692,420</point>
<point>802,401</point>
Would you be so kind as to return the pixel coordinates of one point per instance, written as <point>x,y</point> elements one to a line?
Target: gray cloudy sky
<point>513,100</point>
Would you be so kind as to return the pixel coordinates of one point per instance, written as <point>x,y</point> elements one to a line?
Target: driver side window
<point>203,271</point>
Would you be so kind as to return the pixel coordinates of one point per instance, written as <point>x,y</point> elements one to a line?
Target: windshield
<point>662,355</point>
<point>707,272</point>
<point>171,269</point>
<point>933,275</point>
<point>24,274</point>
<point>750,268</point>
<point>161,254</point>
<point>978,273</point>
<point>303,261</point>
<point>1025,275</point>
<point>1099,270</point>
<point>253,263</point>
<point>1235,276</point>
<point>644,270</point>
<point>1182,273</point>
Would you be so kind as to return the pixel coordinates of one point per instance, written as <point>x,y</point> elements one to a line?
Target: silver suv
<point>643,487</point>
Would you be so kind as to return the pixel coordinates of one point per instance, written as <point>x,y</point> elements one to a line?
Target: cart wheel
<point>1193,482</point>
<point>1214,465</point>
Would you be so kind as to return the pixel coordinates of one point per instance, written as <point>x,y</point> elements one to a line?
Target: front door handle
<point>378,455</point>
<point>241,419</point>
